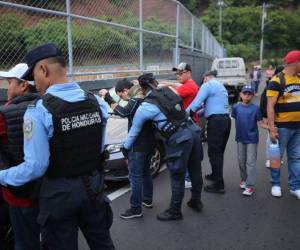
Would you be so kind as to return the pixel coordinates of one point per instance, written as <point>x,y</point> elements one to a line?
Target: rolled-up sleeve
<point>202,94</point>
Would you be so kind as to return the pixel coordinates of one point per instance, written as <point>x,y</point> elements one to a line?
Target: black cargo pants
<point>184,151</point>
<point>65,206</point>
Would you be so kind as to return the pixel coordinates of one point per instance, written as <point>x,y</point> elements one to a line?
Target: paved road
<point>229,221</point>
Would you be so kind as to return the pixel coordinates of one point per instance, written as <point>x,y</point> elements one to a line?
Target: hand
<point>103,92</point>
<point>125,152</point>
<point>273,131</point>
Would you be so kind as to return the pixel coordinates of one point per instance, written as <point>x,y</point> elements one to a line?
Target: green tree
<point>13,34</point>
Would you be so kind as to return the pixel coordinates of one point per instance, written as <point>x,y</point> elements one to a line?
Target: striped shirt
<point>287,107</point>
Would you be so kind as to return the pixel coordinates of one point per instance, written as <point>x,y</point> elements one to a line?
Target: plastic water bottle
<point>274,154</point>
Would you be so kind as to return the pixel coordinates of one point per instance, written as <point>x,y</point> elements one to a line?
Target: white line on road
<point>124,190</point>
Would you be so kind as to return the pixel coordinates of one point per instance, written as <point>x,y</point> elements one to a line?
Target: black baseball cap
<point>147,80</point>
<point>183,66</point>
<point>37,54</point>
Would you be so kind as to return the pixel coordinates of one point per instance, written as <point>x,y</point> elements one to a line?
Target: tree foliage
<point>241,27</point>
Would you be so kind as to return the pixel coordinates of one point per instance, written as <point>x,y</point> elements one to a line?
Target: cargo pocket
<point>174,162</point>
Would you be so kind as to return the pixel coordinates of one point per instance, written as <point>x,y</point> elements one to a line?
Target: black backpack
<point>263,99</point>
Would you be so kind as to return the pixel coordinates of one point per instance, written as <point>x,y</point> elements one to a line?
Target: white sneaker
<point>268,164</point>
<point>296,193</point>
<point>187,184</point>
<point>248,191</point>
<point>276,191</point>
<point>242,184</point>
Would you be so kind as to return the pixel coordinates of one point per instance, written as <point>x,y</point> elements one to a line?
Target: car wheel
<point>156,160</point>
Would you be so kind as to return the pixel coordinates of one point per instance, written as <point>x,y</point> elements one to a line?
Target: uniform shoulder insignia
<point>28,128</point>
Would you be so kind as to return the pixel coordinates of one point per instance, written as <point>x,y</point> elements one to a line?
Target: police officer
<point>215,98</point>
<point>63,141</point>
<point>22,200</point>
<point>139,157</point>
<point>183,145</point>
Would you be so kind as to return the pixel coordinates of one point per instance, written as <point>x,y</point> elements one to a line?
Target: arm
<point>260,119</point>
<point>271,117</point>
<point>170,84</point>
<point>141,116</point>
<point>273,91</point>
<point>127,110</point>
<point>105,116</point>
<point>36,149</point>
<point>202,95</point>
<point>264,123</point>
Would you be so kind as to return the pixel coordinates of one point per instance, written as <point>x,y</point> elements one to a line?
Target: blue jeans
<point>140,177</point>
<point>25,227</point>
<point>289,140</point>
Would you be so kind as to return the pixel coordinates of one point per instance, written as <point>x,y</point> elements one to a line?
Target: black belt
<point>217,115</point>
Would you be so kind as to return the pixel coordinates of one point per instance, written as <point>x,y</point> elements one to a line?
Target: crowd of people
<point>52,137</point>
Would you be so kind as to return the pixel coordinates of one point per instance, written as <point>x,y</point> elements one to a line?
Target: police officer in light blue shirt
<point>183,145</point>
<point>63,140</point>
<point>214,96</point>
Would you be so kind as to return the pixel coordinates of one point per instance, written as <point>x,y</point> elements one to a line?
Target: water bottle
<point>274,154</point>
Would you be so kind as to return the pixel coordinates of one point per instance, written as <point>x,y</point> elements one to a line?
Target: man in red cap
<point>284,120</point>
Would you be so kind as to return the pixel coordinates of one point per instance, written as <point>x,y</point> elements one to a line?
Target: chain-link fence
<point>104,38</point>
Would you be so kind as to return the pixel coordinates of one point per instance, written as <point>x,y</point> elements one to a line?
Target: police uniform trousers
<point>218,130</point>
<point>184,151</point>
<point>66,205</point>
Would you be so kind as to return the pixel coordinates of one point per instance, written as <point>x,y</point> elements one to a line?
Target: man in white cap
<point>22,203</point>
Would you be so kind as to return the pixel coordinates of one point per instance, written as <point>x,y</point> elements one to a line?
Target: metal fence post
<point>141,36</point>
<point>177,36</point>
<point>203,38</point>
<point>192,33</point>
<point>70,44</point>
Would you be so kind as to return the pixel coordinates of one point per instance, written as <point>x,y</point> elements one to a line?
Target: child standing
<point>246,115</point>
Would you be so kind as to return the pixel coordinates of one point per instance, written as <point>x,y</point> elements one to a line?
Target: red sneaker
<point>248,191</point>
<point>242,184</point>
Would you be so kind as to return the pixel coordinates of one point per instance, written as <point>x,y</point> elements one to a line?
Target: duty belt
<point>169,129</point>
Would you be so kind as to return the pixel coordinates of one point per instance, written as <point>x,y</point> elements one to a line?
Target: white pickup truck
<point>232,73</point>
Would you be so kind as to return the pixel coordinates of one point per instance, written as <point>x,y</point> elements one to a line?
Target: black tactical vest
<point>75,147</point>
<point>12,151</point>
<point>146,138</point>
<point>171,106</point>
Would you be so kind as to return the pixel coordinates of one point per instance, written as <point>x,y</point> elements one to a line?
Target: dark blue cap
<point>34,56</point>
<point>248,89</point>
<point>147,80</point>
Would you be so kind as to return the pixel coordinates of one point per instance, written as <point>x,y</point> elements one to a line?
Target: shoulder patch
<point>28,128</point>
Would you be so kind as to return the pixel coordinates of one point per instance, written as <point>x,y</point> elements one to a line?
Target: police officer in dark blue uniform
<point>183,145</point>
<point>63,141</point>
